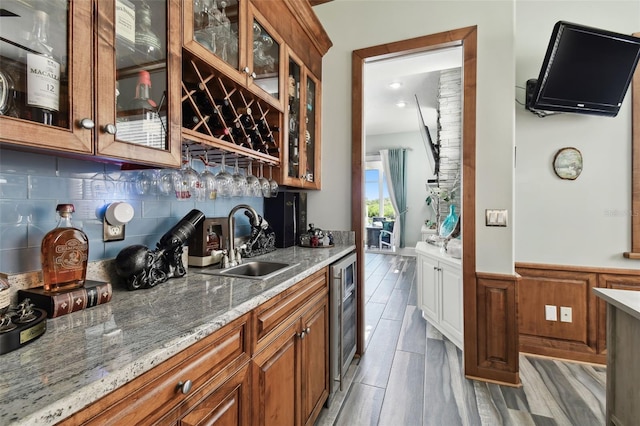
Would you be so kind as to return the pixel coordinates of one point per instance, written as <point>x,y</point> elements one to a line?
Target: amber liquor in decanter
<point>64,254</point>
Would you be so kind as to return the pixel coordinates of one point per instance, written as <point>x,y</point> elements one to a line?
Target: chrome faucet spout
<point>233,261</point>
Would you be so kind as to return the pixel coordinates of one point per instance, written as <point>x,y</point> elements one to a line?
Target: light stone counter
<point>85,355</point>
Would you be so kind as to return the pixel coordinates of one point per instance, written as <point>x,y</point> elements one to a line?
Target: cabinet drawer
<point>156,392</point>
<point>275,315</point>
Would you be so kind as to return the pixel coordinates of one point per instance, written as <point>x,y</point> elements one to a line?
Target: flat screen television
<point>585,70</point>
<point>433,149</point>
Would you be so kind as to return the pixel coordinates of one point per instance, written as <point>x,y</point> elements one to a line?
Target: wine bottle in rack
<point>43,74</point>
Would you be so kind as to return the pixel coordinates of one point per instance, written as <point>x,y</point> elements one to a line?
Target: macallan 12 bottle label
<point>43,82</point>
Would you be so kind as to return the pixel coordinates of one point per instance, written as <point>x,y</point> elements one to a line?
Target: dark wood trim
<point>635,165</point>
<point>496,328</point>
<point>467,38</point>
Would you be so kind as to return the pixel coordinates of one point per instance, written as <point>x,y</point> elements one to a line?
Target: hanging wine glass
<point>273,185</point>
<point>165,181</point>
<point>253,184</point>
<point>265,186</point>
<point>207,180</point>
<point>187,182</point>
<point>224,180</point>
<point>144,182</point>
<point>239,182</point>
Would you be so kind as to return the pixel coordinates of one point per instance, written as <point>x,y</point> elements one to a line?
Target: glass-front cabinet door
<point>232,37</point>
<point>264,67</point>
<point>137,80</point>
<point>45,85</point>
<point>301,151</point>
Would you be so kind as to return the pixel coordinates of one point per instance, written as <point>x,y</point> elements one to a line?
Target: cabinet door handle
<point>301,334</point>
<point>87,123</point>
<point>185,387</point>
<point>109,128</point>
<point>307,330</point>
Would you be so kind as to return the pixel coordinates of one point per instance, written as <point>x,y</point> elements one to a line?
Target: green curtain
<point>398,178</point>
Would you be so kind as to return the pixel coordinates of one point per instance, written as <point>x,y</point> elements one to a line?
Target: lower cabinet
<point>291,370</point>
<point>217,381</point>
<point>440,291</point>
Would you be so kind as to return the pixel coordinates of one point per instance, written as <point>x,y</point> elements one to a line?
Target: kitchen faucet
<point>234,254</point>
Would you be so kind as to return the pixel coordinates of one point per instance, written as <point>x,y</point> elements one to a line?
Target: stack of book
<point>57,304</point>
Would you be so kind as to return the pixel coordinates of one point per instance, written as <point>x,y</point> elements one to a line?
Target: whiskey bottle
<point>64,253</point>
<point>142,112</point>
<point>43,74</point>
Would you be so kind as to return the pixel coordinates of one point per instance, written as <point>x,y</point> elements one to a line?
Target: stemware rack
<point>251,124</point>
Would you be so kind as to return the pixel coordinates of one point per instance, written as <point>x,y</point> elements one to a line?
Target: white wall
<point>417,173</point>
<point>586,221</point>
<point>357,24</point>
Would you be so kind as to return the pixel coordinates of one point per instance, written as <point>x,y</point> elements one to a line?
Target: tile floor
<point>411,375</point>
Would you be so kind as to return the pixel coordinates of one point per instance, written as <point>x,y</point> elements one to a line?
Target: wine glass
<point>253,184</point>
<point>273,185</point>
<point>165,181</point>
<point>265,186</point>
<point>144,182</point>
<point>239,182</point>
<point>208,181</point>
<point>187,182</point>
<point>224,180</point>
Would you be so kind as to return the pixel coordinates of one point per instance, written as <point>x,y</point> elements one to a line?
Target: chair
<point>385,239</point>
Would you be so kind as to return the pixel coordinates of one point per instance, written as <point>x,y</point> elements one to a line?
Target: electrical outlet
<point>112,232</point>
<point>551,313</point>
<point>566,314</point>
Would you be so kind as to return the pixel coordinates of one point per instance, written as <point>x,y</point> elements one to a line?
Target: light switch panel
<point>496,217</point>
<point>551,312</point>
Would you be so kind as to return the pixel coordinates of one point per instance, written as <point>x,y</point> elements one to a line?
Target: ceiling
<point>418,74</point>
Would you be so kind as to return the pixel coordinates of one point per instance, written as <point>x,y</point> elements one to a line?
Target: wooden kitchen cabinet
<point>101,109</point>
<point>300,165</point>
<point>291,364</point>
<point>266,56</point>
<point>210,378</point>
<point>440,292</point>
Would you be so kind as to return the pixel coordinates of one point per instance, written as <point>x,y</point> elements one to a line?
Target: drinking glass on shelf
<point>265,186</point>
<point>253,184</point>
<point>224,180</point>
<point>208,189</point>
<point>239,182</point>
<point>273,185</point>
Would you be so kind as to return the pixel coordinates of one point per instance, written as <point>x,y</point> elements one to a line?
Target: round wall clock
<point>567,163</point>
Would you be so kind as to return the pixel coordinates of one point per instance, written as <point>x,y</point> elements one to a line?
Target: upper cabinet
<point>235,39</point>
<point>300,165</point>
<point>116,102</point>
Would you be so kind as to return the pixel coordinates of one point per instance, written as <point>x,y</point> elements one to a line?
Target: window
<point>376,193</point>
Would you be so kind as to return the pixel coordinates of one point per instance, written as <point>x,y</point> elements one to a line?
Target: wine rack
<point>220,115</point>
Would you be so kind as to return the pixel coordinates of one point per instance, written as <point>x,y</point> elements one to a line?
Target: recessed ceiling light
<point>395,85</point>
<point>401,104</point>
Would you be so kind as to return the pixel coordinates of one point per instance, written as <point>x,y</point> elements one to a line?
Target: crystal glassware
<point>239,182</point>
<point>224,180</point>
<point>208,181</point>
<point>253,184</point>
<point>186,183</point>
<point>265,186</point>
<point>273,185</point>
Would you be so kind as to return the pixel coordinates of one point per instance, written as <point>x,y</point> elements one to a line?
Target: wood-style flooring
<point>411,375</point>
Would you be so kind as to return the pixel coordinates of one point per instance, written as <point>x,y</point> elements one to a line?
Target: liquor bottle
<point>147,42</point>
<point>64,253</point>
<point>43,74</point>
<point>142,113</point>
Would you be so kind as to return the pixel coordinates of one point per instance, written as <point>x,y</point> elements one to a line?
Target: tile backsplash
<point>31,185</point>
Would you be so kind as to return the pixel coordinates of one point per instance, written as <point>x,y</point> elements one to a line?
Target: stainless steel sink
<point>260,270</point>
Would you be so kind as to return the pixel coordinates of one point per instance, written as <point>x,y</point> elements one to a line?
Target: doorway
<point>467,38</point>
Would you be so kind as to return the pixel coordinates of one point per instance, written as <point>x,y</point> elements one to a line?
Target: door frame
<point>467,38</point>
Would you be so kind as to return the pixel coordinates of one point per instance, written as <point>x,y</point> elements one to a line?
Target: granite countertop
<point>626,300</point>
<point>87,354</point>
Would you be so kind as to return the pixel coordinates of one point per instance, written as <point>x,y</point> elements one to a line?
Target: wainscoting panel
<point>496,325</point>
<point>582,339</point>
